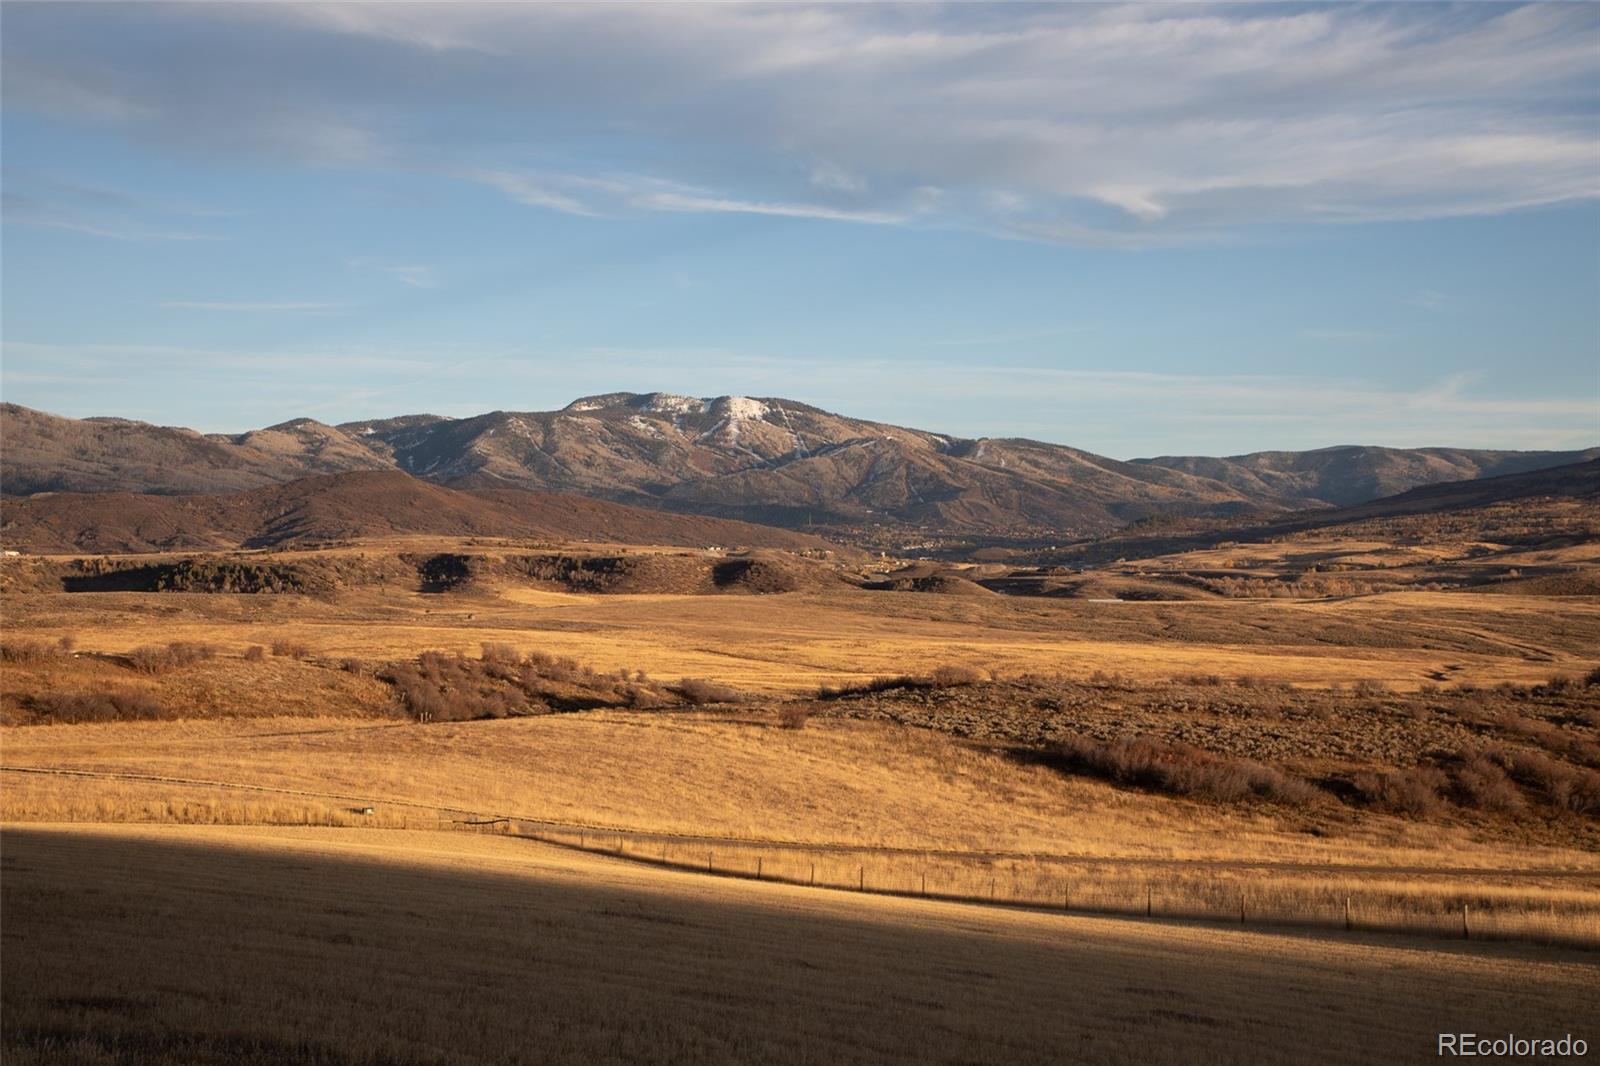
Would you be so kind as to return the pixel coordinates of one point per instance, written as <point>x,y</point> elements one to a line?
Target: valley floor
<point>791,643</point>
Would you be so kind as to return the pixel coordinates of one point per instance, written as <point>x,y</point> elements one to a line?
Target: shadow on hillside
<point>166,950</point>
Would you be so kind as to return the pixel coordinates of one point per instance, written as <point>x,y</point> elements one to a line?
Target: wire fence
<point>1241,896</point>
<point>1554,907</point>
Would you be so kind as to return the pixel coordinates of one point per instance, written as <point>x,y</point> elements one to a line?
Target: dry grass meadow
<point>244,828</point>
<point>250,945</point>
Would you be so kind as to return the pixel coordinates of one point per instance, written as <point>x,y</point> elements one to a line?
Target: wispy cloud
<point>1427,299</point>
<point>668,201</point>
<point>251,306</point>
<point>90,210</point>
<point>1339,336</point>
<point>1090,124</point>
<point>526,190</point>
<point>110,233</point>
<point>417,276</point>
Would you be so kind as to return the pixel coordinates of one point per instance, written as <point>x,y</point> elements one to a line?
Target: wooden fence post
<point>813,874</point>
<point>1149,901</point>
<point>861,883</point>
<point>1066,898</point>
<point>1466,931</point>
<point>1347,914</point>
<point>758,868</point>
<point>709,856</point>
<point>924,884</point>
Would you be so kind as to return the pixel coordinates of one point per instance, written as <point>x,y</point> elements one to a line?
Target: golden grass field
<point>207,888</point>
<point>198,944</point>
<point>841,802</point>
<point>794,642</point>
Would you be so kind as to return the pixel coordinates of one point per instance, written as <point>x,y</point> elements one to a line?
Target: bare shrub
<point>352,666</point>
<point>877,684</point>
<point>290,649</point>
<point>642,699</point>
<point>115,705</point>
<point>153,659</point>
<point>1481,783</point>
<point>254,653</point>
<point>954,675</point>
<point>699,691</point>
<point>26,651</point>
<point>537,664</point>
<point>440,687</point>
<point>1368,686</point>
<point>1561,784</point>
<point>66,643</point>
<point>1183,770</point>
<point>1592,678</point>
<point>793,716</point>
<point>446,686</point>
<point>1414,791</point>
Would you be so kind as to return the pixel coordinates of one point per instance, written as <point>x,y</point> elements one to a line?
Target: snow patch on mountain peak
<point>669,404</point>
<point>739,408</point>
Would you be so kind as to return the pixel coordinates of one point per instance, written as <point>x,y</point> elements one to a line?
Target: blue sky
<point>1138,230</point>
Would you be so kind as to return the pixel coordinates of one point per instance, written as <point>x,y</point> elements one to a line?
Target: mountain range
<point>766,460</point>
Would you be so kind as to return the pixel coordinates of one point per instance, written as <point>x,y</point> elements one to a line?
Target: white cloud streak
<point>251,306</point>
<point>1084,124</point>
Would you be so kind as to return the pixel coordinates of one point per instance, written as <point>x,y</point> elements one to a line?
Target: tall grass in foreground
<point>1437,906</point>
<point>1544,910</point>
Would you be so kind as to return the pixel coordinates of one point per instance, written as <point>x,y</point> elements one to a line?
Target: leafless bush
<point>254,653</point>
<point>793,716</point>
<point>1481,783</point>
<point>440,687</point>
<point>352,666</point>
<point>116,705</point>
<point>151,659</point>
<point>876,684</point>
<point>444,686</point>
<point>290,649</point>
<point>66,643</point>
<point>955,675</point>
<point>26,651</point>
<point>1183,770</point>
<point>1368,686</point>
<point>1592,678</point>
<point>642,699</point>
<point>537,664</point>
<point>1561,784</point>
<point>699,691</point>
<point>154,659</point>
<point>1414,791</point>
<point>1558,685</point>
